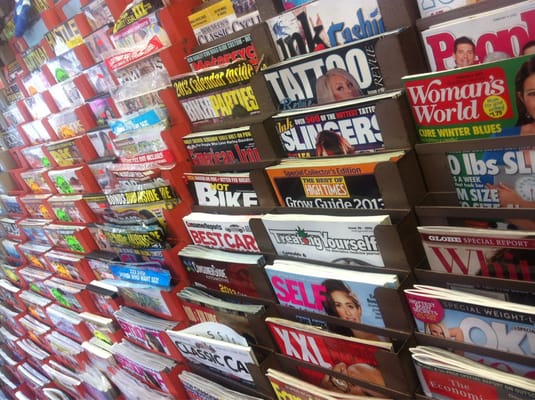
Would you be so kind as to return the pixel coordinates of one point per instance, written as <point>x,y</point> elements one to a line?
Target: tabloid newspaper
<point>474,102</point>
<point>308,287</point>
<point>221,231</point>
<point>349,356</point>
<point>229,146</point>
<point>288,386</point>
<point>342,128</point>
<point>449,376</point>
<point>241,48</point>
<point>222,189</point>
<point>322,24</point>
<point>199,388</point>
<point>506,254</point>
<point>223,18</point>
<point>344,182</point>
<point>473,319</point>
<point>495,177</point>
<point>304,81</point>
<point>217,94</point>
<point>217,347</point>
<point>433,7</point>
<point>200,306</point>
<point>335,239</point>
<point>505,29</point>
<point>220,270</point>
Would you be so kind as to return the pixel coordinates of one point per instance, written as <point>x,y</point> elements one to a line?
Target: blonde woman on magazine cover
<point>336,85</point>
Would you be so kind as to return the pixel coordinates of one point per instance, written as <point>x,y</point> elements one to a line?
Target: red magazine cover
<point>355,358</point>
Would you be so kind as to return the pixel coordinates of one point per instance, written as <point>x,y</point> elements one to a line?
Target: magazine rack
<point>399,243</point>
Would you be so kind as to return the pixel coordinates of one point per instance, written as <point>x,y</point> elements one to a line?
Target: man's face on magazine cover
<point>464,55</point>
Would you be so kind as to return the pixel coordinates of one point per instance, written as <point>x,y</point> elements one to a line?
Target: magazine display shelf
<point>399,243</point>
<point>434,165</point>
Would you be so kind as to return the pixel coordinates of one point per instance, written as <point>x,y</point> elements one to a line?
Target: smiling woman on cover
<point>341,302</point>
<point>525,91</point>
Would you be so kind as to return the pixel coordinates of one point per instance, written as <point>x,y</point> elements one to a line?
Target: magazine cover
<point>201,388</point>
<point>342,293</point>
<point>222,189</point>
<point>342,128</point>
<point>219,270</point>
<point>494,177</point>
<point>334,74</point>
<point>471,39</point>
<point>345,182</point>
<point>335,239</point>
<point>475,102</point>
<point>349,356</point>
<point>217,347</point>
<point>135,12</point>
<point>144,329</point>
<point>434,7</point>
<point>506,254</point>
<point>322,24</point>
<point>229,146</point>
<point>473,319</point>
<point>217,94</point>
<point>150,368</point>
<point>449,376</point>
<point>200,306</point>
<point>241,48</point>
<point>223,18</point>
<point>289,387</point>
<point>221,231</point>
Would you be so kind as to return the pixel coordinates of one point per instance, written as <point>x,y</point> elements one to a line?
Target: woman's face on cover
<point>343,88</point>
<point>345,306</point>
<point>528,95</point>
<point>436,330</point>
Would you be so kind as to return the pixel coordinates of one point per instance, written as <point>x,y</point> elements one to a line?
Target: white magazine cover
<point>336,239</point>
<point>505,30</point>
